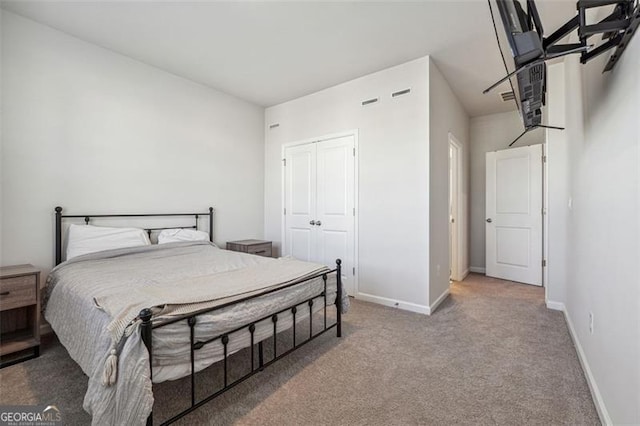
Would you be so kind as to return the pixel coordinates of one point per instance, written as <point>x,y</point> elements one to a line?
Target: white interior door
<point>300,202</point>
<point>335,212</point>
<point>514,214</point>
<point>320,204</point>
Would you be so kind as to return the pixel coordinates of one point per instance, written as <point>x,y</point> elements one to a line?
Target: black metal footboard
<point>147,326</point>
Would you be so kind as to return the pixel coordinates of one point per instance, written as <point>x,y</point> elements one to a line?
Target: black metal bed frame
<point>147,326</point>
<point>87,218</point>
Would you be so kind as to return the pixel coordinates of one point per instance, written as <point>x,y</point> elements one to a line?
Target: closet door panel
<point>300,202</point>
<point>319,202</point>
<point>335,205</point>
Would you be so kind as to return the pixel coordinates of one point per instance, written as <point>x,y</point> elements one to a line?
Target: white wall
<point>447,115</point>
<point>393,174</point>
<point>94,131</point>
<point>557,178</point>
<point>490,133</point>
<point>603,252</point>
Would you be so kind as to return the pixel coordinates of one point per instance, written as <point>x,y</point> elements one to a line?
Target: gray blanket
<point>93,302</point>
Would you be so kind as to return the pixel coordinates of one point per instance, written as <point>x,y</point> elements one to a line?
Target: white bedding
<point>85,239</point>
<point>81,325</point>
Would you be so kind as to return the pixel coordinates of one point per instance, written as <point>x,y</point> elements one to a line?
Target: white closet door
<point>300,202</point>
<point>514,214</point>
<point>319,202</point>
<point>335,206</point>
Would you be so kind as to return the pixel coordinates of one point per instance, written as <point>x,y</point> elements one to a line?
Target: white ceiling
<point>271,52</point>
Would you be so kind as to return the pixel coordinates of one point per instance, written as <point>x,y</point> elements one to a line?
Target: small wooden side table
<point>19,312</point>
<point>257,247</point>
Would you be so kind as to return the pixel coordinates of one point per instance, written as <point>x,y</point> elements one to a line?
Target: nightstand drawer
<point>17,291</point>
<point>257,247</point>
<point>260,249</point>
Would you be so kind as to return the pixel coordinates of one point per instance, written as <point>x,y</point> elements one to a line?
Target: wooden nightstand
<point>257,247</point>
<point>19,312</point>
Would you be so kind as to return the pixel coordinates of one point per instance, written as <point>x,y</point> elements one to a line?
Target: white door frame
<point>354,133</point>
<point>456,273</point>
<point>545,221</point>
<point>545,218</point>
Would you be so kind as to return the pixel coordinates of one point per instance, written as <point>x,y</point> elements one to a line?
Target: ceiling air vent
<point>507,96</point>
<point>369,101</point>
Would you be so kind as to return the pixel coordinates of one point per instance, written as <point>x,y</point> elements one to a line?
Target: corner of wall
<point>449,117</point>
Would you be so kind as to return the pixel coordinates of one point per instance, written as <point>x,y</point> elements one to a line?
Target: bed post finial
<point>339,297</point>
<point>211,224</point>
<point>58,210</point>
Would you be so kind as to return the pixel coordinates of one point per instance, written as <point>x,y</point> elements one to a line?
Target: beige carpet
<point>491,354</point>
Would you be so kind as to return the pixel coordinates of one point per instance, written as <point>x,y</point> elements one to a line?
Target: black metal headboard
<point>88,217</point>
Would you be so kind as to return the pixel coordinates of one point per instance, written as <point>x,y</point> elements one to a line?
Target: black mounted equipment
<point>525,64</point>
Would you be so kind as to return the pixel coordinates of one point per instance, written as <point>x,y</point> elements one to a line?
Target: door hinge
<point>285,210</point>
<point>544,263</point>
<point>284,162</point>
<point>354,152</point>
<point>544,158</point>
<point>354,270</point>
<point>354,211</point>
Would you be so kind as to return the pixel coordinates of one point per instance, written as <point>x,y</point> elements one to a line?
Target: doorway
<point>455,209</point>
<point>319,214</point>
<point>514,214</point>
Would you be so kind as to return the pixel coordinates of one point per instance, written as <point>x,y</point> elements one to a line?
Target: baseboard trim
<point>438,301</point>
<point>555,306</point>
<point>598,401</point>
<point>465,274</point>
<point>477,269</point>
<point>406,306</point>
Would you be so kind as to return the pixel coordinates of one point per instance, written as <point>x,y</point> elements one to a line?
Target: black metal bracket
<point>554,52</point>
<point>617,29</point>
<point>626,37</point>
<point>527,130</point>
<point>561,32</point>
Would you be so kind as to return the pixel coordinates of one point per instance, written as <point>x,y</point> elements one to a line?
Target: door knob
<point>318,223</point>
<point>489,220</point>
<point>313,222</point>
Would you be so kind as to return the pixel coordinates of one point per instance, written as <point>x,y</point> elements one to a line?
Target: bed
<point>134,316</point>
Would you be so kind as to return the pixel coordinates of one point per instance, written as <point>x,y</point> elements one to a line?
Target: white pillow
<point>84,239</point>
<point>178,235</point>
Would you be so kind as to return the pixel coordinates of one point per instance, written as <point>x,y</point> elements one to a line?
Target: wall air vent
<point>369,101</point>
<point>507,96</point>
<point>400,93</point>
<point>274,126</point>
